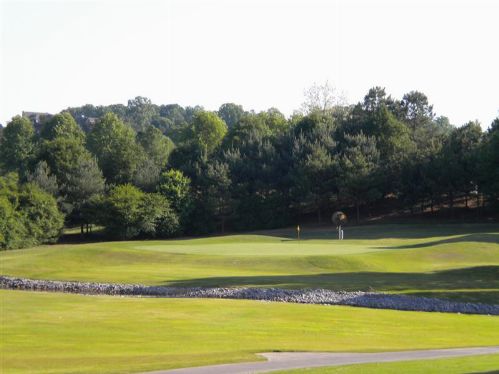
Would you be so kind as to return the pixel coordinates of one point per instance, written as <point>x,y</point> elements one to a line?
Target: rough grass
<point>449,261</point>
<point>462,365</point>
<point>62,333</point>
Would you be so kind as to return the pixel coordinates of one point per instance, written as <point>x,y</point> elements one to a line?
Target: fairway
<point>448,261</point>
<point>49,332</point>
<point>461,365</point>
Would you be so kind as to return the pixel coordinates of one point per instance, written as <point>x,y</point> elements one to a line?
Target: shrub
<point>28,215</point>
<point>129,213</point>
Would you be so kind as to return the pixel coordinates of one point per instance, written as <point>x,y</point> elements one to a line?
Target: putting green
<point>62,333</point>
<point>449,261</point>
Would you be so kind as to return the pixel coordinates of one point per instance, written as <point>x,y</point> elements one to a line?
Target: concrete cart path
<point>297,360</point>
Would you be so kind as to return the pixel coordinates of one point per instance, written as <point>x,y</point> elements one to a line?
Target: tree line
<point>146,170</point>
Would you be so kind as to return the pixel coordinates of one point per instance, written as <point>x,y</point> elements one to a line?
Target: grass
<point>62,333</point>
<point>449,261</point>
<point>461,365</point>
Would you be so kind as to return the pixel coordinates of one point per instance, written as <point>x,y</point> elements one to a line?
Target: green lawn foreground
<point>63,333</point>
<point>458,261</point>
<point>461,365</point>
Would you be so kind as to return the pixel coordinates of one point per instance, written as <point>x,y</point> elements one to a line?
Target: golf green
<point>449,261</point>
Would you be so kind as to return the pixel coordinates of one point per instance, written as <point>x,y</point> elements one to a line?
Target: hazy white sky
<point>258,53</point>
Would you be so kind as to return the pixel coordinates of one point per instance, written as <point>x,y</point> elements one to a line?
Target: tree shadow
<point>477,238</point>
<point>479,283</point>
<point>388,231</point>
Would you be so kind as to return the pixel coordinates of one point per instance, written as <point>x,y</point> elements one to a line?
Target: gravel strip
<point>306,296</point>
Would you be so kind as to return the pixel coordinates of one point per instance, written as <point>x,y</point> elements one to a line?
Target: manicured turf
<point>62,333</point>
<point>462,365</point>
<point>448,261</point>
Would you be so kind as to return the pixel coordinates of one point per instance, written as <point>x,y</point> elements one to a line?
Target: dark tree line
<point>146,170</point>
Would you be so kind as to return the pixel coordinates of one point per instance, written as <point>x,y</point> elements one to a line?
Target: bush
<point>28,215</point>
<point>129,213</point>
<point>43,219</point>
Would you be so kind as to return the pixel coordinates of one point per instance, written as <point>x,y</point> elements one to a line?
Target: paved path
<point>296,360</point>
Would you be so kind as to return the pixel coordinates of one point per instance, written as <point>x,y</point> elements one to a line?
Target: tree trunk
<point>81,229</point>
<point>451,204</point>
<point>357,208</point>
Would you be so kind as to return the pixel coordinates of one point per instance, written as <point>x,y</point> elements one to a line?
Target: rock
<point>306,296</point>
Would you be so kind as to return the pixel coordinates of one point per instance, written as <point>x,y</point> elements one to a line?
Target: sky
<point>257,53</point>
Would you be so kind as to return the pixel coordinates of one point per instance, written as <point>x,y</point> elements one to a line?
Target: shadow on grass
<point>480,284</point>
<point>469,232</point>
<point>477,238</point>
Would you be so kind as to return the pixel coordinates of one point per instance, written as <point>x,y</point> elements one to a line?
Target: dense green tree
<point>130,212</point>
<point>259,195</point>
<point>157,219</point>
<point>157,147</point>
<point>62,125</point>
<point>459,161</point>
<point>173,121</point>
<point>416,110</point>
<point>188,158</point>
<point>43,219</point>
<point>117,152</point>
<point>242,170</point>
<point>174,112</point>
<point>429,137</point>
<point>146,176</point>
<point>217,196</point>
<point>44,179</point>
<point>62,155</point>
<point>176,187</point>
<point>62,147</point>
<point>274,120</point>
<point>78,176</point>
<point>28,215</point>
<point>17,146</point>
<point>359,181</point>
<point>489,163</point>
<point>83,183</point>
<point>208,131</point>
<point>249,126</point>
<point>231,114</point>
<point>140,112</point>
<point>375,99</point>
<point>13,231</point>
<point>315,160</point>
<point>123,209</point>
<point>392,137</point>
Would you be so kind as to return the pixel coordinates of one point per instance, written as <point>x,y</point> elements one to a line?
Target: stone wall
<point>305,296</point>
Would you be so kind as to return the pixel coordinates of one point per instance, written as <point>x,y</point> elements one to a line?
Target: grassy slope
<point>44,332</point>
<point>457,261</point>
<point>461,365</point>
